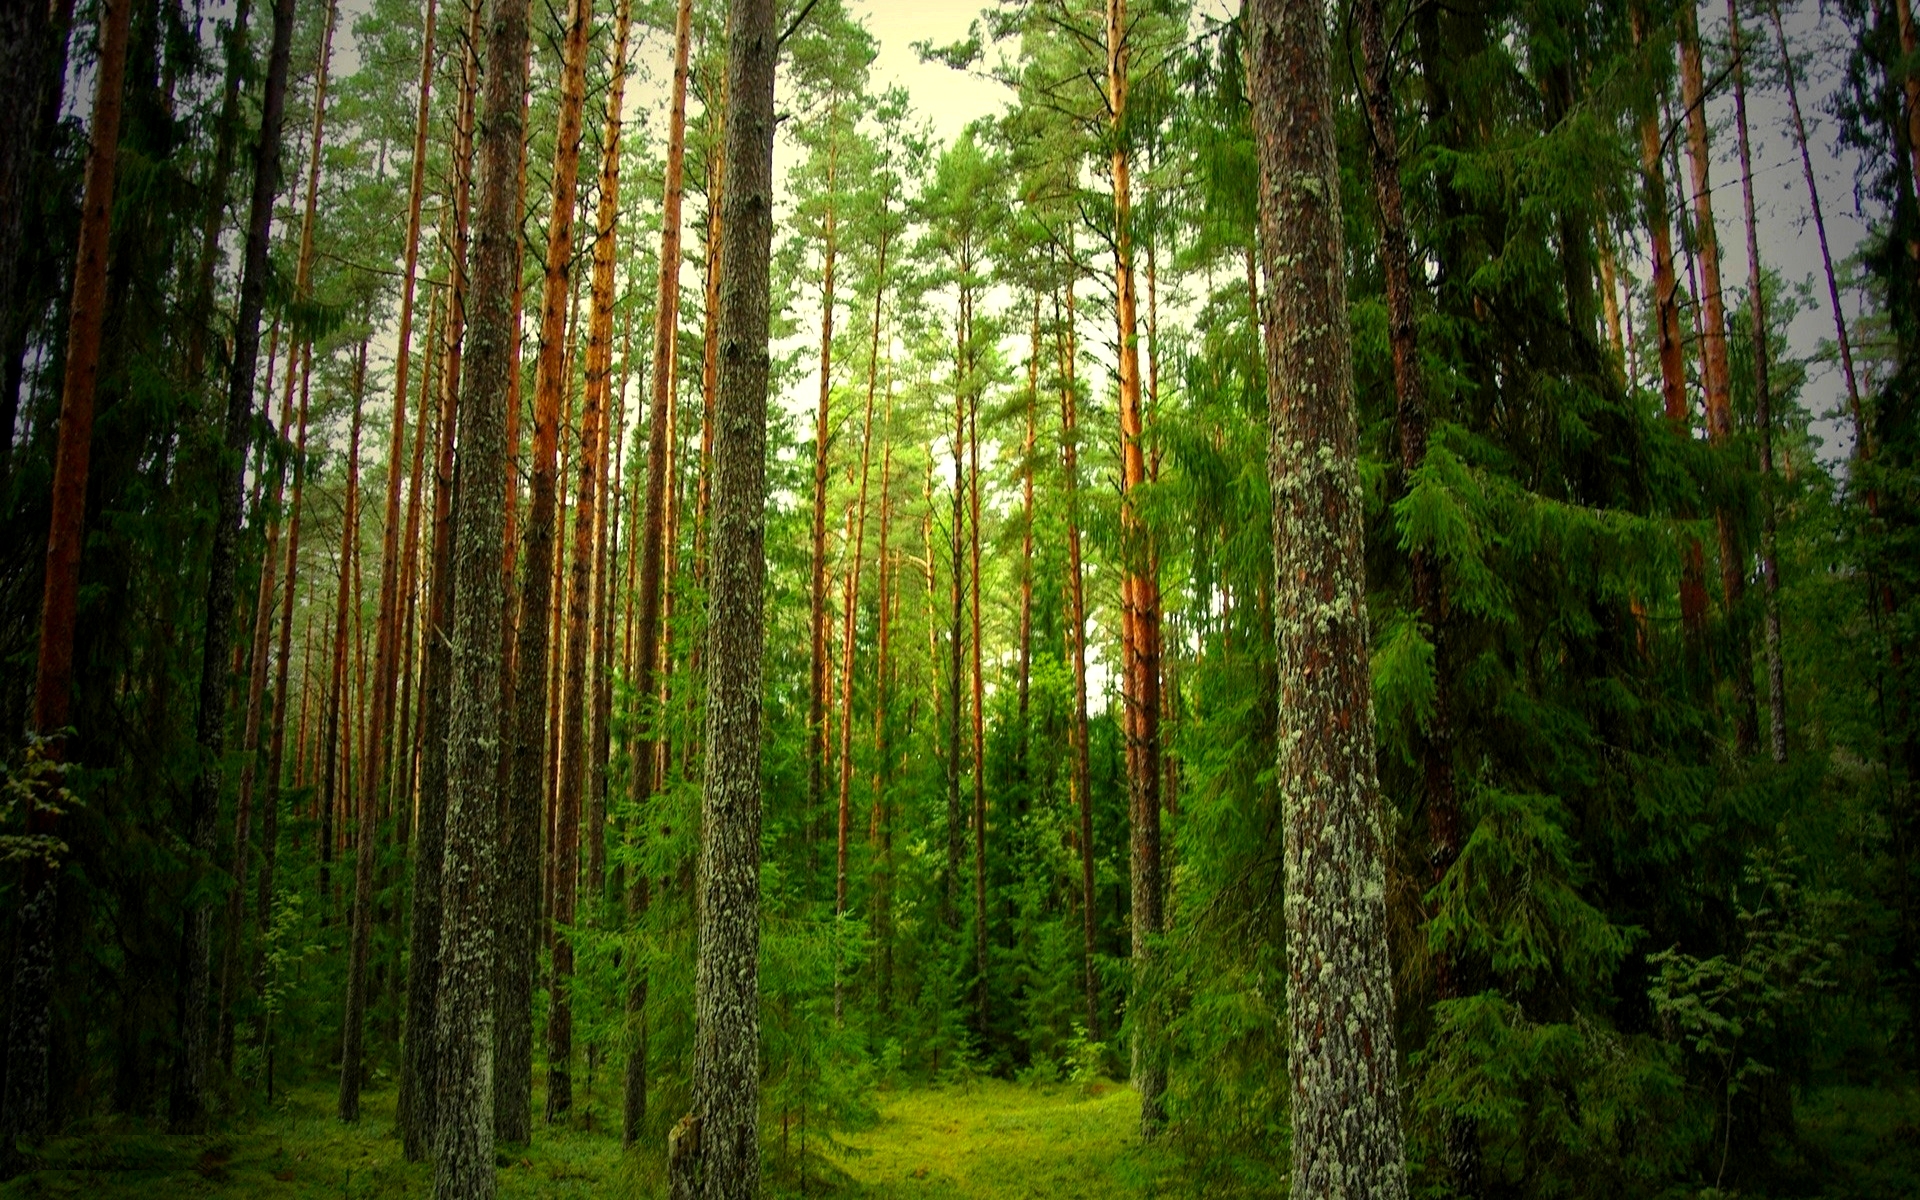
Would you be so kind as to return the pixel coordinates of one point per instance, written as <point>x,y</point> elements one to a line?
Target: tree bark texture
<point>726,1068</point>
<point>520,876</point>
<point>1140,609</point>
<point>23,1112</point>
<point>1347,1139</point>
<point>465,1015</point>
<point>187,1104</point>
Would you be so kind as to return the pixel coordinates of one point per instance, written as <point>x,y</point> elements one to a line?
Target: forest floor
<point>987,1139</point>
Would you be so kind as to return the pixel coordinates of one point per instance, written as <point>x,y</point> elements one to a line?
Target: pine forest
<point>980,598</point>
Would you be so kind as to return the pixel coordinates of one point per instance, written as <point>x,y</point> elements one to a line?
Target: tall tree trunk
<point>880,826</point>
<point>510,538</point>
<point>1441,798</point>
<point>817,592</point>
<point>573,740</point>
<point>25,1107</point>
<point>1340,1012</point>
<point>226,135</point>
<point>1762,401</point>
<point>956,592</point>
<point>335,743</point>
<point>716,1151</point>
<point>1667,328</point>
<point>606,553</point>
<point>263,610</point>
<point>277,739</point>
<point>1716,374</point>
<point>387,632</point>
<point>1140,604</point>
<point>1026,534</point>
<point>418,1108</point>
<point>1862,447</point>
<point>710,343</point>
<point>978,700</point>
<point>303,268</point>
<point>666,325</point>
<point>520,850</point>
<point>1081,778</point>
<point>353,1022</point>
<point>465,1016</point>
<point>855,552</point>
<point>187,1104</point>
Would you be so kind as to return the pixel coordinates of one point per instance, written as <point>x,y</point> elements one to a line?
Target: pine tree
<point>715,1151</point>
<point>464,1017</point>
<point>1346,1105</point>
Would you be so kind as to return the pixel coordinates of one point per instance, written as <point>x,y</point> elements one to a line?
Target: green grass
<point>997,1139</point>
<point>297,1151</point>
<point>984,1139</point>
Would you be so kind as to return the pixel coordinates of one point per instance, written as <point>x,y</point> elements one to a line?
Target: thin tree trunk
<point>879,827</point>
<point>187,1103</point>
<point>353,1023</point>
<point>1862,448</point>
<point>1140,601</point>
<point>418,1108</point>
<point>1026,536</point>
<point>226,135</point>
<point>849,609</point>
<point>26,1105</point>
<point>465,1015</point>
<point>1441,798</point>
<point>1667,328</point>
<point>1716,374</point>
<point>716,1151</point>
<point>1763,401</point>
<point>710,332</point>
<point>263,610</point>
<point>277,740</point>
<point>510,539</point>
<point>573,736</point>
<point>520,850</point>
<point>956,592</point>
<point>373,767</point>
<point>1340,1011</point>
<point>817,592</point>
<point>982,1012</point>
<point>1080,782</point>
<point>606,552</point>
<point>666,325</point>
<point>856,551</point>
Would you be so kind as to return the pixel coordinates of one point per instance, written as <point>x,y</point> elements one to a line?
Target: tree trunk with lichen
<point>418,1106</point>
<point>1347,1139</point>
<point>724,1163</point>
<point>465,1015</point>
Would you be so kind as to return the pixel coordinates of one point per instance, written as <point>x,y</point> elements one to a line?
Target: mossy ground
<point>984,1139</point>
<point>997,1139</point>
<point>295,1149</point>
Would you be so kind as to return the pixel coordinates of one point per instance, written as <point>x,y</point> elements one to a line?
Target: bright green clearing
<point>984,1139</point>
<point>1000,1139</point>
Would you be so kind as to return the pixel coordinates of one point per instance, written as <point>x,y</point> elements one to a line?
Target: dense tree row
<point>1292,564</point>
